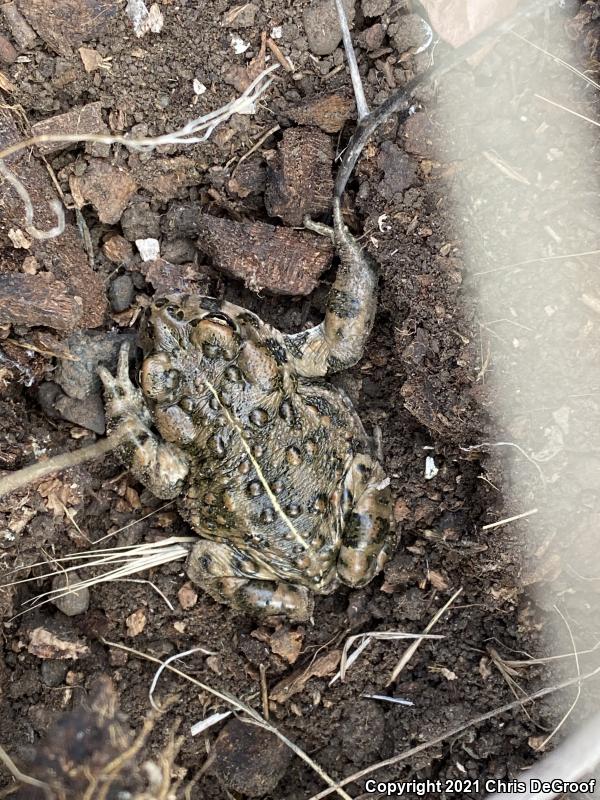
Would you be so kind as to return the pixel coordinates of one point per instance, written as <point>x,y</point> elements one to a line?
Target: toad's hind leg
<point>225,574</point>
<point>159,466</point>
<point>367,539</point>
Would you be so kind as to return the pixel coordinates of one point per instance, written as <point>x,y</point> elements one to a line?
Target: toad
<point>269,463</point>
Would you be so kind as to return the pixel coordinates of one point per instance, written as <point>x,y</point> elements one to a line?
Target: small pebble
<point>8,54</point>
<point>121,293</point>
<point>322,26</point>
<point>72,603</point>
<point>54,672</point>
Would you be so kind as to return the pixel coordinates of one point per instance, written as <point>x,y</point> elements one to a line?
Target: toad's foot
<point>225,574</point>
<point>367,539</point>
<point>159,466</point>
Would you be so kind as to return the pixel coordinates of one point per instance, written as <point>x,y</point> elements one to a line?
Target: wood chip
<point>107,187</point>
<point>287,643</point>
<point>32,300</point>
<point>328,112</point>
<point>66,24</point>
<point>280,260</point>
<point>300,182</point>
<point>87,119</point>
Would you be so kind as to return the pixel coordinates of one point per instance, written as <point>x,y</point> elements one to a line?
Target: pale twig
<point>458,729</point>
<point>568,110</point>
<point>518,447</point>
<point>20,776</point>
<point>541,260</point>
<point>255,717</point>
<point>361,103</point>
<point>166,663</point>
<point>557,59</point>
<point>411,650</point>
<point>506,520</point>
<point>578,692</point>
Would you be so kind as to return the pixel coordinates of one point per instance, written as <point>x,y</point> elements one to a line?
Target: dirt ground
<point>427,381</point>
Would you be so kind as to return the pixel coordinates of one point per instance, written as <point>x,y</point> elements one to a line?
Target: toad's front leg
<point>159,466</point>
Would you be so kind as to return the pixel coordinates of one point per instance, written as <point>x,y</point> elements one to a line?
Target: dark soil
<point>442,350</point>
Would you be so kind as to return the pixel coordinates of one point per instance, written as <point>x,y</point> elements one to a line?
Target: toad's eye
<point>220,319</point>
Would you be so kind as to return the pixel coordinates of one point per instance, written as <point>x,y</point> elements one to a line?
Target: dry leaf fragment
<point>294,683</point>
<point>45,644</point>
<point>287,643</point>
<point>136,622</point>
<point>5,84</point>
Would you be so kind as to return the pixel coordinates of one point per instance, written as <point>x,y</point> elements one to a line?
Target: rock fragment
<point>107,187</point>
<point>121,293</point>
<point>66,24</point>
<point>322,26</point>
<point>280,260</point>
<point>21,31</point>
<point>8,54</point>
<point>87,119</point>
<point>40,299</point>
<point>78,375</point>
<point>140,222</point>
<point>375,8</point>
<point>136,622</point>
<point>328,112</point>
<point>300,181</point>
<point>249,759</point>
<point>118,250</point>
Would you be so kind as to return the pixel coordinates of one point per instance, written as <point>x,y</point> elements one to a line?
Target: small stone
<point>8,54</point>
<point>121,293</point>
<point>149,249</point>
<point>108,188</point>
<point>322,26</point>
<point>118,250</point>
<point>179,251</point>
<point>78,375</point>
<point>87,413</point>
<point>54,673</point>
<point>187,596</point>
<point>372,38</point>
<point>91,59</point>
<point>87,119</point>
<point>375,8</point>
<point>75,602</point>
<point>249,760</point>
<point>140,222</point>
<point>410,32</point>
<point>399,171</point>
<point>136,622</point>
<point>21,30</point>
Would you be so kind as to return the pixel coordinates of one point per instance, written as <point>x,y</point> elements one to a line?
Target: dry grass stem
<point>166,663</point>
<point>568,110</point>
<point>254,716</point>
<point>364,640</point>
<point>416,644</point>
<point>578,687</point>
<point>558,60</point>
<point>540,260</point>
